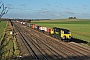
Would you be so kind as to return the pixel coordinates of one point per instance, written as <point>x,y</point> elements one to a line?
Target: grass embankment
<point>9,47</point>
<point>2,27</point>
<point>79,27</point>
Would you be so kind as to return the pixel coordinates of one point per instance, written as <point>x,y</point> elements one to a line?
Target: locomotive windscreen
<point>66,32</point>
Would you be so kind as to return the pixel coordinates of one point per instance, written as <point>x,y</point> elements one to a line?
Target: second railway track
<point>44,47</point>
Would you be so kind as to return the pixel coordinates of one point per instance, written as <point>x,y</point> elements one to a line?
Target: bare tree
<point>4,9</point>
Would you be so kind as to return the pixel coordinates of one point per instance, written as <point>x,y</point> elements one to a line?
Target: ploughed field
<point>38,46</point>
<point>78,27</point>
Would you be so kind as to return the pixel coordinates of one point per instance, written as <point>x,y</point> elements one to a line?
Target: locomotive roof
<point>61,29</point>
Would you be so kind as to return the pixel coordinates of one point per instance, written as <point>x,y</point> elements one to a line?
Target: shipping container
<point>30,25</point>
<point>36,27</point>
<point>48,30</point>
<point>20,22</point>
<point>17,21</point>
<point>44,28</point>
<point>33,26</point>
<point>40,28</point>
<point>23,23</point>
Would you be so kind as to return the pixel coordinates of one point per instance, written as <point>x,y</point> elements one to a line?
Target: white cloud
<point>76,7</point>
<point>23,5</point>
<point>68,8</point>
<point>9,5</point>
<point>84,5</point>
<point>48,4</point>
<point>57,14</point>
<point>61,5</point>
<point>57,6</point>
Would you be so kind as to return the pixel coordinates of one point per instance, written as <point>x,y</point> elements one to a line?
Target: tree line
<point>72,18</point>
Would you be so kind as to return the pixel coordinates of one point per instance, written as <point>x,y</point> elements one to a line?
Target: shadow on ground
<point>76,40</point>
<point>52,58</point>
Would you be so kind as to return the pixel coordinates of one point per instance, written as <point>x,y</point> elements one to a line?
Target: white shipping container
<point>17,21</point>
<point>44,28</point>
<point>21,22</point>
<point>40,28</point>
<point>24,23</point>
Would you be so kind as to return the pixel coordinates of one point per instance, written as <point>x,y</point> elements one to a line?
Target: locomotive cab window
<point>57,30</point>
<point>66,32</point>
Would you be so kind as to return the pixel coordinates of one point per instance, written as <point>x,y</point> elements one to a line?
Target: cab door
<point>62,34</point>
<point>57,32</point>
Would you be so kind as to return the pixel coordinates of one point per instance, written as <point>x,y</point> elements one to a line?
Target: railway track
<point>79,47</point>
<point>45,50</point>
<point>22,45</point>
<point>32,49</point>
<point>83,51</point>
<point>69,50</point>
<point>50,48</point>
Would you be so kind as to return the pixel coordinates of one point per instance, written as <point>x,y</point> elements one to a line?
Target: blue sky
<point>47,9</point>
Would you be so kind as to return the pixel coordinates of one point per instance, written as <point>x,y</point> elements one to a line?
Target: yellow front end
<point>65,36</point>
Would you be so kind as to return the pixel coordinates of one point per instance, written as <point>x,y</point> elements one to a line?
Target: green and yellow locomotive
<point>60,32</point>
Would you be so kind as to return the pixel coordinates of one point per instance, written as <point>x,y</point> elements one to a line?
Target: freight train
<point>60,32</point>
<point>63,34</point>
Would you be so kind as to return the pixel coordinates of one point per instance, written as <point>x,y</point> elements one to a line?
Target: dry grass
<point>10,48</point>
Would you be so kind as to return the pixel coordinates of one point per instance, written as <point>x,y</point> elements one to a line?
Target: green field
<point>80,28</point>
<point>2,27</point>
